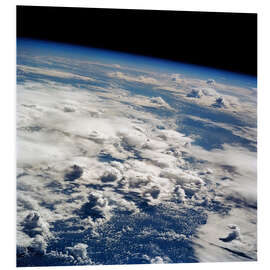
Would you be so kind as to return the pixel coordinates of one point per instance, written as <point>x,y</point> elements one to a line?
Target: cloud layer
<point>89,156</point>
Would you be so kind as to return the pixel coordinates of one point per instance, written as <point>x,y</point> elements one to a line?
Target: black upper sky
<point>220,40</point>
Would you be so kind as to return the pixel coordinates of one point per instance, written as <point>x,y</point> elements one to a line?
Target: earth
<point>123,159</point>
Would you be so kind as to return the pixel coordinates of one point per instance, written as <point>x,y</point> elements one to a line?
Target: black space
<point>220,40</point>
